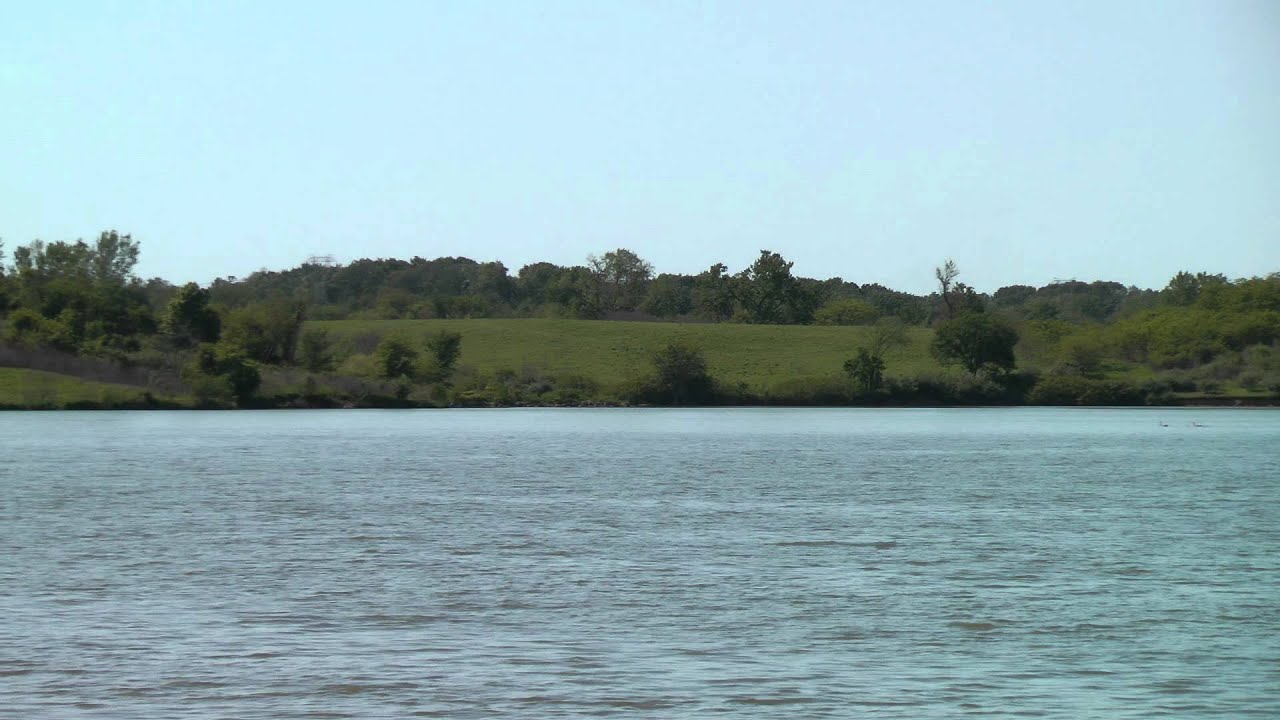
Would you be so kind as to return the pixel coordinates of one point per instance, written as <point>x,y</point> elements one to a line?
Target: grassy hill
<point>545,361</point>
<point>611,352</point>
<point>34,389</point>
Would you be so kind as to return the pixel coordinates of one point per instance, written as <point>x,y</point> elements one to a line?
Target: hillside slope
<point>614,352</point>
<point>25,389</point>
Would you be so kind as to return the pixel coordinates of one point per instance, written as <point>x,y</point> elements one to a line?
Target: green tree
<point>577,290</point>
<point>1083,352</point>
<point>443,350</point>
<point>533,284</point>
<point>769,293</point>
<point>846,311</point>
<point>1012,296</point>
<point>681,374</point>
<point>946,275</point>
<point>976,341</point>
<point>1183,289</point>
<point>31,328</point>
<point>90,290</point>
<point>713,293</point>
<point>395,357</point>
<point>267,332</point>
<point>446,346</point>
<point>188,320</point>
<point>866,370</point>
<point>113,258</point>
<point>623,278</point>
<point>221,371</point>
<point>315,350</point>
<point>669,296</point>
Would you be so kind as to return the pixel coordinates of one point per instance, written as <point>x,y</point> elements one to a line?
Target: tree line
<point>1198,332</point>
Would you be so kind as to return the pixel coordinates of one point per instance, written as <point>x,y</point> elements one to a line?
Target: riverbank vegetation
<point>79,329</point>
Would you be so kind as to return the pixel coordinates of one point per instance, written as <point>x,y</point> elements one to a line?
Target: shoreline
<point>1196,403</point>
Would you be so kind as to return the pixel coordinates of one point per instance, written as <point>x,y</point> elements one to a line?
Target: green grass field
<point>769,360</point>
<point>614,352</point>
<point>20,388</point>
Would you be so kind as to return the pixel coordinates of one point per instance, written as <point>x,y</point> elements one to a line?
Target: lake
<point>657,563</point>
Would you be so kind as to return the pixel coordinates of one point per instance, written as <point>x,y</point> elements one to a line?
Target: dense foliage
<point>1069,342</point>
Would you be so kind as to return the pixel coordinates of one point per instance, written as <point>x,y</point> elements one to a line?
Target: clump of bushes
<point>221,373</point>
<point>529,386</point>
<point>680,377</point>
<point>1076,390</point>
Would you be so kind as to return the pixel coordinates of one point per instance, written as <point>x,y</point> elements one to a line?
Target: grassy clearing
<point>35,389</point>
<point>614,352</point>
<point>576,361</point>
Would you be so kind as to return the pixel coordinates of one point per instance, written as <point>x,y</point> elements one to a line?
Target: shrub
<point>680,377</point>
<point>865,370</point>
<point>1069,390</point>
<point>820,391</point>
<point>976,341</point>
<point>395,357</point>
<point>316,350</point>
<point>31,328</point>
<point>680,372</point>
<point>445,348</point>
<point>849,311</point>
<point>220,372</point>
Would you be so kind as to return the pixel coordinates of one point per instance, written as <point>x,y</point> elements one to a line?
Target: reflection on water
<point>550,563</point>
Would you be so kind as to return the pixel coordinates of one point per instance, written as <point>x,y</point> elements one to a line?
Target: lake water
<point>650,563</point>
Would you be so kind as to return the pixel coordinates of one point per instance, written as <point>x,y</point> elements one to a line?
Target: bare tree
<point>946,277</point>
<point>889,333</point>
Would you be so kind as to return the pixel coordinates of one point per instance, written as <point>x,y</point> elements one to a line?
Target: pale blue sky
<point>1028,140</point>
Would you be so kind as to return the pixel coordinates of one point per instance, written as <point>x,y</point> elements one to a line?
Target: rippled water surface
<point>652,563</point>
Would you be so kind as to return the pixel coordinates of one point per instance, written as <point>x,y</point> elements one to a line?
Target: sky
<point>1029,141</point>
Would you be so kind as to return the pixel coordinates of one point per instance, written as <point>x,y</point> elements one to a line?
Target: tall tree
<point>533,283</point>
<point>577,290</point>
<point>395,357</point>
<point>866,370</point>
<point>316,350</point>
<point>266,332</point>
<point>681,373</point>
<point>623,277</point>
<point>113,258</point>
<point>946,275</point>
<point>669,296</point>
<point>769,293</point>
<point>446,347</point>
<point>188,320</point>
<point>976,341</point>
<point>713,293</point>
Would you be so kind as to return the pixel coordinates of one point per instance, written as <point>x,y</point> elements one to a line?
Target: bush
<point>316,350</point>
<point>359,365</point>
<point>395,357</point>
<point>209,389</point>
<point>865,370</point>
<point>849,311</point>
<point>1070,390</point>
<point>680,373</point>
<point>1083,353</point>
<point>680,377</point>
<point>221,372</point>
<point>1179,381</point>
<point>445,348</point>
<point>31,328</point>
<point>976,341</point>
<point>820,391</point>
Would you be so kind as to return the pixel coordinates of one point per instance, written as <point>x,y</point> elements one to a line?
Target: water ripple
<point>735,563</point>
